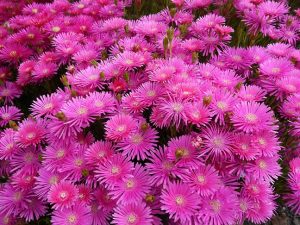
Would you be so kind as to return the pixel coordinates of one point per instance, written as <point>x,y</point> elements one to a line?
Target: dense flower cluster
<point>155,120</point>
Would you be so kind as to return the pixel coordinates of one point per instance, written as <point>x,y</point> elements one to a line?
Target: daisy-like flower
<point>265,168</point>
<point>133,187</point>
<point>267,143</point>
<point>8,113</point>
<point>170,111</point>
<point>47,105</point>
<point>162,169</point>
<point>137,214</point>
<point>180,202</point>
<point>75,215</point>
<point>148,27</point>
<point>272,9</point>
<point>198,114</point>
<point>86,56</point>
<point>44,70</point>
<point>79,112</point>
<point>26,159</point>
<point>275,68</point>
<point>102,102</point>
<point>204,179</point>
<point>251,93</point>
<point>104,199</point>
<point>244,148</point>
<point>75,166</point>
<point>221,104</point>
<point>182,150</point>
<point>23,179</point>
<point>30,132</point>
<point>261,211</point>
<point>139,144</point>
<point>218,143</point>
<point>24,72</point>
<point>9,91</point>
<point>56,154</point>
<point>98,214</point>
<point>258,190</point>
<point>227,79</point>
<point>34,209</point>
<point>112,170</point>
<point>14,53</point>
<point>219,209</point>
<point>148,93</point>
<point>63,195</point>
<point>258,54</point>
<point>12,200</point>
<point>98,152</point>
<point>8,147</point>
<point>130,60</point>
<point>236,58</point>
<point>89,79</point>
<point>119,127</point>
<point>252,117</point>
<point>44,181</point>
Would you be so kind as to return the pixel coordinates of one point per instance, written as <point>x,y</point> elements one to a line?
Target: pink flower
<point>44,181</point>
<point>252,117</point>
<point>9,113</point>
<point>112,170</point>
<point>178,200</point>
<point>63,195</point>
<point>137,214</point>
<point>219,209</point>
<point>162,169</point>
<point>30,133</point>
<point>8,146</point>
<point>34,209</point>
<point>204,179</point>
<point>76,215</point>
<point>9,91</point>
<point>218,143</point>
<point>133,187</point>
<point>119,127</point>
<point>182,150</point>
<point>139,144</point>
<point>12,200</point>
<point>98,152</point>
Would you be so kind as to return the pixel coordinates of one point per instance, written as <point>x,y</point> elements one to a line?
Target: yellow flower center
<point>201,179</point>
<point>115,170</point>
<point>130,184</point>
<point>131,218</point>
<point>251,117</point>
<point>56,29</point>
<point>222,105</point>
<point>82,111</point>
<point>215,205</point>
<point>72,218</point>
<point>179,200</point>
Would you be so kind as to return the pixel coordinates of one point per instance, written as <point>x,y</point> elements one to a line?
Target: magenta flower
<point>252,117</point>
<point>218,143</point>
<point>63,195</point>
<point>9,113</point>
<point>30,132</point>
<point>137,214</point>
<point>179,202</point>
<point>77,215</point>
<point>139,144</point>
<point>220,208</point>
<point>112,171</point>
<point>204,179</point>
<point>118,127</point>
